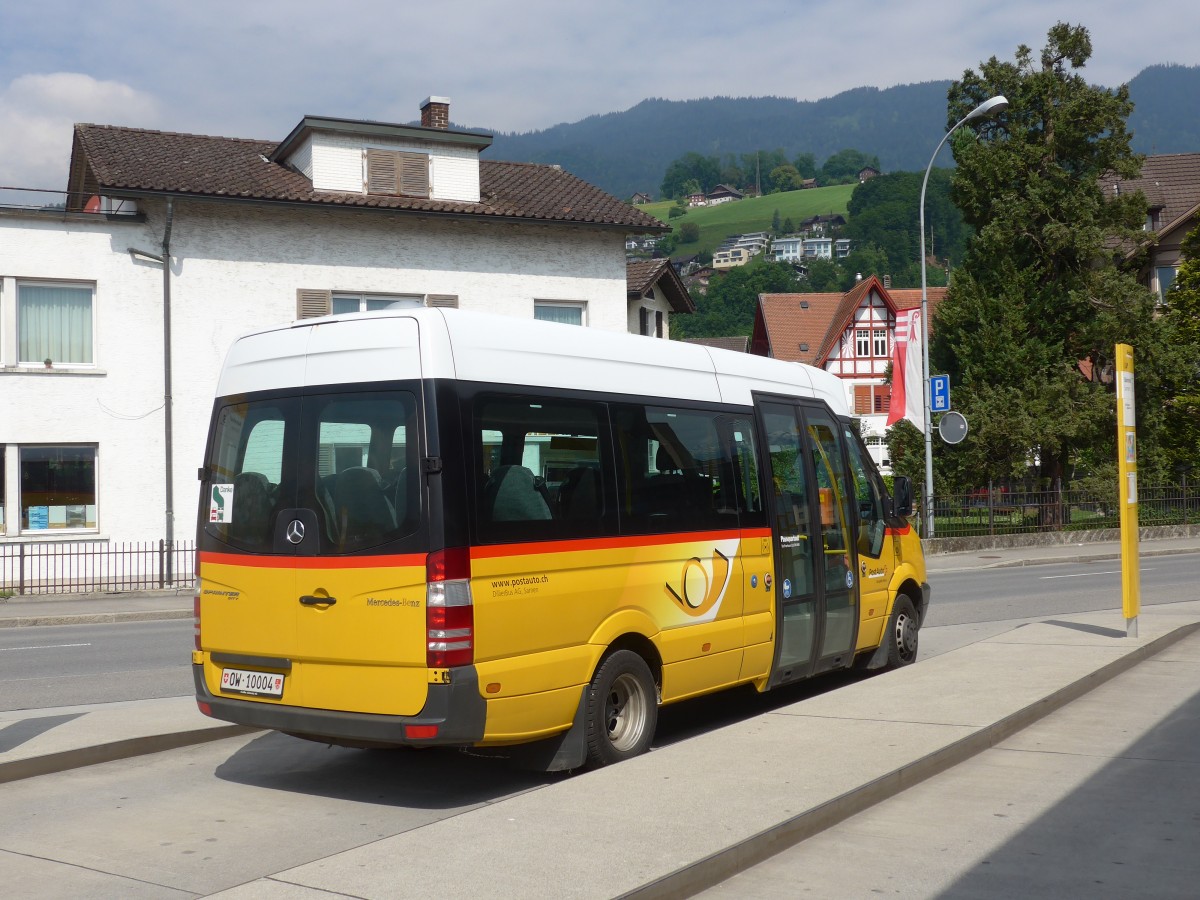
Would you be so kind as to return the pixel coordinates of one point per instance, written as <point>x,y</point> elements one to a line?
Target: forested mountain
<point>629,151</point>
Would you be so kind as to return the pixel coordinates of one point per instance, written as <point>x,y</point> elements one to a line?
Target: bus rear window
<point>245,472</point>
<point>352,459</point>
<point>366,471</point>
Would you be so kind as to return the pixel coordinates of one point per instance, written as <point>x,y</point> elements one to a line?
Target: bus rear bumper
<point>456,712</point>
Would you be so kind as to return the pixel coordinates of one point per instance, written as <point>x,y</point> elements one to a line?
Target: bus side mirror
<point>902,496</point>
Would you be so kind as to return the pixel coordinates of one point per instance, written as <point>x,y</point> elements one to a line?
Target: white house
<point>787,249</point>
<point>851,335</point>
<point>109,360</point>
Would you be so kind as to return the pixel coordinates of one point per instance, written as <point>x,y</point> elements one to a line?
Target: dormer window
<point>360,157</point>
<point>397,172</point>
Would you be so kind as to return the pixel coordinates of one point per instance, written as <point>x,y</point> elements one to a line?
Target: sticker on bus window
<point>220,504</point>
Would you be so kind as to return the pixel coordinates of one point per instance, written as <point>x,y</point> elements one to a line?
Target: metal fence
<point>1005,511</point>
<point>70,567</point>
<point>77,567</point>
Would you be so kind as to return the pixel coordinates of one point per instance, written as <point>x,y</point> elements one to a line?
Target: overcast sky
<point>253,68</point>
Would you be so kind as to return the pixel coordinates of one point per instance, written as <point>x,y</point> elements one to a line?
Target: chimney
<point>435,113</point>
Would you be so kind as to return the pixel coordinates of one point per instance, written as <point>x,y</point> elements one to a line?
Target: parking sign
<point>939,393</point>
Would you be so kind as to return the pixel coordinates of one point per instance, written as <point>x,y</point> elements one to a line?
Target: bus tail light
<point>449,616</point>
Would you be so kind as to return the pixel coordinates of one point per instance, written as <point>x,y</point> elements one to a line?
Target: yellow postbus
<point>431,527</point>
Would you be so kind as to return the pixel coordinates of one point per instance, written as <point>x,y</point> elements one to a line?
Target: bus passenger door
<point>835,495</point>
<point>814,577</point>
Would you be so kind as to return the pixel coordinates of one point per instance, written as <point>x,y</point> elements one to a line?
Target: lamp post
<point>995,104</point>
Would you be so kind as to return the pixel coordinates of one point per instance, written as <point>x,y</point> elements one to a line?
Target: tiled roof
<point>643,274</point>
<point>108,157</point>
<point>819,326</point>
<point>851,300</point>
<point>790,325</point>
<point>737,344</point>
<point>1171,183</point>
<point>910,298</point>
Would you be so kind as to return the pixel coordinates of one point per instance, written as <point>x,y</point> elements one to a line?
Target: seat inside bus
<point>512,495</point>
<point>363,510</point>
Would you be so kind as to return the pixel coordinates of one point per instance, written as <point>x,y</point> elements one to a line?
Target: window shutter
<point>862,399</point>
<point>449,301</point>
<point>311,303</point>
<point>381,172</point>
<point>658,323</point>
<point>643,323</point>
<point>414,174</point>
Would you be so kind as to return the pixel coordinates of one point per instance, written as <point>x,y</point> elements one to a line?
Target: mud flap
<point>561,753</point>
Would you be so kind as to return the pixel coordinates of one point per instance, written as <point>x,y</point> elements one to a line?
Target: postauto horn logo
<point>702,584</point>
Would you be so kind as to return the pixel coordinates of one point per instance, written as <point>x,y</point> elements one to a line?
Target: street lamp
<point>995,104</point>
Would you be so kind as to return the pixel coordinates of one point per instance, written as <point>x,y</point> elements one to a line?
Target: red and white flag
<point>907,382</point>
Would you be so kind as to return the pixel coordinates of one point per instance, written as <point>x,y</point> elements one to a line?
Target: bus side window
<point>674,472</point>
<point>868,498</point>
<point>747,487</point>
<point>541,467</point>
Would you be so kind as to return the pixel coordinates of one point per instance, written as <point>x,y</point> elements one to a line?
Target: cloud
<point>37,113</point>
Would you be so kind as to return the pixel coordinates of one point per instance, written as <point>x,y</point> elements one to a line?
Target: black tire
<point>903,634</point>
<point>621,709</point>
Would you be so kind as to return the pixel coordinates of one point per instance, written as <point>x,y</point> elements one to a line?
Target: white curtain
<point>54,322</point>
<point>566,315</point>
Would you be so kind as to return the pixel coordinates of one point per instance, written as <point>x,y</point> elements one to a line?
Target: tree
<point>1181,432</point>
<point>785,178</point>
<point>704,172</point>
<point>823,276</point>
<point>789,227</point>
<point>884,211</point>
<point>776,223</point>
<point>689,233</point>
<point>806,165</point>
<point>864,260</point>
<point>758,165</point>
<point>843,167</point>
<point>1040,289</point>
<point>727,309</point>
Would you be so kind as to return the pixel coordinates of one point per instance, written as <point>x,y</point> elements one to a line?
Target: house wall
<point>872,314</point>
<point>236,268</point>
<point>116,404</point>
<point>656,303</point>
<point>337,164</point>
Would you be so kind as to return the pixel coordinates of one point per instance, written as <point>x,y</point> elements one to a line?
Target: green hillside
<point>752,214</point>
<point>624,152</point>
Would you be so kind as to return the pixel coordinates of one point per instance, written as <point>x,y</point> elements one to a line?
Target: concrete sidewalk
<point>1044,554</point>
<point>688,815</point>
<point>85,609</point>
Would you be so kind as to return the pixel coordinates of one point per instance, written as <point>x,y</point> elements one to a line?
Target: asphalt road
<point>69,665</point>
<point>993,595</point>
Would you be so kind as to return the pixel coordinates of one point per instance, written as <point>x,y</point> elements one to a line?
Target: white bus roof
<point>468,346</point>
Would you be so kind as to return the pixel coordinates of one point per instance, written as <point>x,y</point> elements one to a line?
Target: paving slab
<point>38,742</point>
<point>691,814</point>
<point>1097,800</point>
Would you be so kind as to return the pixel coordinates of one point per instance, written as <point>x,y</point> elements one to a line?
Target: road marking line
<point>1084,574</point>
<point>44,647</point>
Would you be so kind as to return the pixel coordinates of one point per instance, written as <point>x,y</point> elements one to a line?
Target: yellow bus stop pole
<point>1127,477</point>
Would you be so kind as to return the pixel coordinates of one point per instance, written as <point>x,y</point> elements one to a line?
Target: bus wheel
<point>622,709</point>
<point>903,634</point>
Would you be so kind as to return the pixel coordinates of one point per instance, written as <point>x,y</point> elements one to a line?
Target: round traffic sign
<point>952,427</point>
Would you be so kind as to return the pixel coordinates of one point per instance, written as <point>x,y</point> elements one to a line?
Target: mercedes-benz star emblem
<point>295,531</point>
